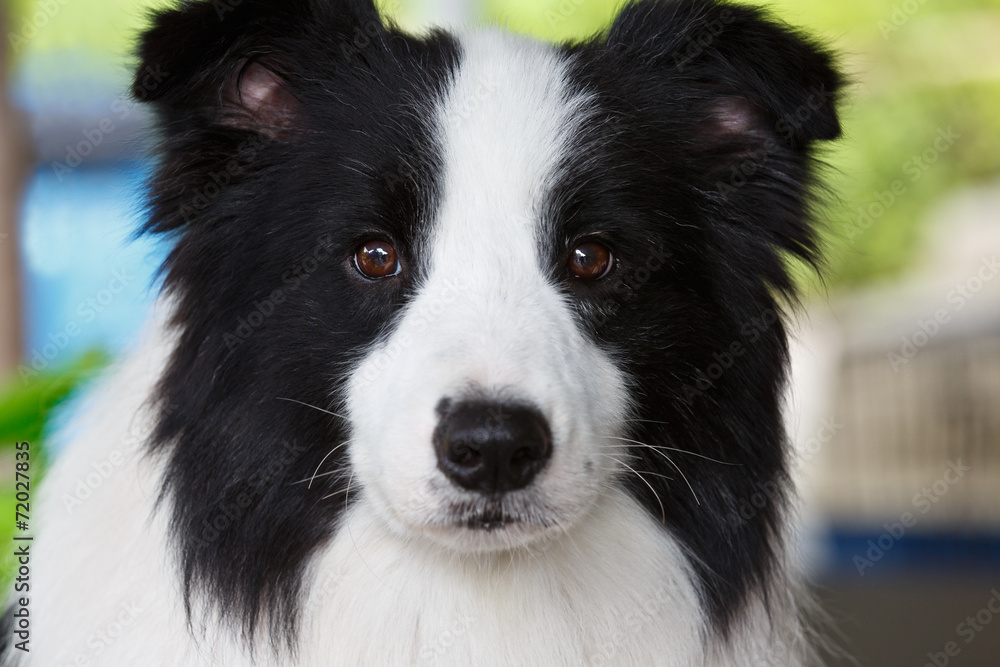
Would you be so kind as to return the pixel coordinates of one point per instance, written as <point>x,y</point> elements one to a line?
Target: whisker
<point>328,454</point>
<point>322,474</point>
<point>644,472</point>
<point>681,473</point>
<point>676,467</point>
<point>346,492</point>
<point>663,511</point>
<point>671,449</point>
<point>644,421</point>
<point>308,405</point>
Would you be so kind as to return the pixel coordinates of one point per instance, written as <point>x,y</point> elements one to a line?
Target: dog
<point>469,352</point>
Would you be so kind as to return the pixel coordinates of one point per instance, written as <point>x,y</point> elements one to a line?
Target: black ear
<point>738,100</point>
<point>232,63</point>
<point>758,77</point>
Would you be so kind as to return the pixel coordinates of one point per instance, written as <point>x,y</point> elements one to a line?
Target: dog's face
<point>481,415</point>
<point>470,284</point>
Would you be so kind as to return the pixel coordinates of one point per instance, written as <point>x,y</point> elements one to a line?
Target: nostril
<point>525,455</point>
<point>490,447</point>
<point>464,455</point>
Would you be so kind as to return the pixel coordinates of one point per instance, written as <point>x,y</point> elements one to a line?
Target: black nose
<point>491,447</point>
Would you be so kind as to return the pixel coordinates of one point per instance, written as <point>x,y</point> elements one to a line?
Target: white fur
<point>399,585</point>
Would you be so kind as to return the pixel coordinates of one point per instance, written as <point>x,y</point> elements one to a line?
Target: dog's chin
<point>484,527</point>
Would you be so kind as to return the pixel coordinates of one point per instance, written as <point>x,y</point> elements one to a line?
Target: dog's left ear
<point>754,77</point>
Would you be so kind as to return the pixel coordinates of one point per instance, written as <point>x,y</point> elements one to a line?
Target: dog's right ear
<point>232,63</point>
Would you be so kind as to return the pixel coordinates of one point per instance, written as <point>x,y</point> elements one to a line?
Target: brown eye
<point>377,259</point>
<point>590,261</point>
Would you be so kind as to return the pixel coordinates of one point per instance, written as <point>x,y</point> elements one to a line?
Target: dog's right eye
<point>376,259</point>
<point>590,261</point>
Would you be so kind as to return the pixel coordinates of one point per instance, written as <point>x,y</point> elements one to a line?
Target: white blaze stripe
<point>506,123</point>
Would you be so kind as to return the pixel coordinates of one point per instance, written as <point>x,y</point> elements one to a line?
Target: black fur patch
<point>697,162</point>
<point>269,307</point>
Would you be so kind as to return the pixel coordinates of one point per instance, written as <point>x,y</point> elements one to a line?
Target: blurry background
<point>896,403</point>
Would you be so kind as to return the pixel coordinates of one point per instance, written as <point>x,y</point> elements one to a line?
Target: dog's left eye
<point>376,259</point>
<point>590,261</point>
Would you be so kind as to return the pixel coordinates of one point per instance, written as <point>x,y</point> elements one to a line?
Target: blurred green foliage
<point>100,26</point>
<point>25,404</point>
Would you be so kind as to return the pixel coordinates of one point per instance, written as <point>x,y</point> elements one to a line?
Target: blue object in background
<point>856,552</point>
<point>88,281</point>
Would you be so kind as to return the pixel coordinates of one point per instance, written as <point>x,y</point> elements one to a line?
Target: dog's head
<point>471,283</point>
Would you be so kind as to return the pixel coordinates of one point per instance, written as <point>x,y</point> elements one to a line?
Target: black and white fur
<point>275,498</point>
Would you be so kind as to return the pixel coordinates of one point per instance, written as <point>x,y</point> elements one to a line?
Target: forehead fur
<point>506,123</point>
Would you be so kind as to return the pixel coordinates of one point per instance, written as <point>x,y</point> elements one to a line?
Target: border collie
<point>469,352</point>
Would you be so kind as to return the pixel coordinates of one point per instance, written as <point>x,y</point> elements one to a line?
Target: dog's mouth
<point>477,524</point>
<point>489,520</point>
<point>489,516</point>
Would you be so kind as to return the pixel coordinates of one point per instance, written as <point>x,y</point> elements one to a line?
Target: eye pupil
<point>590,261</point>
<point>377,259</point>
